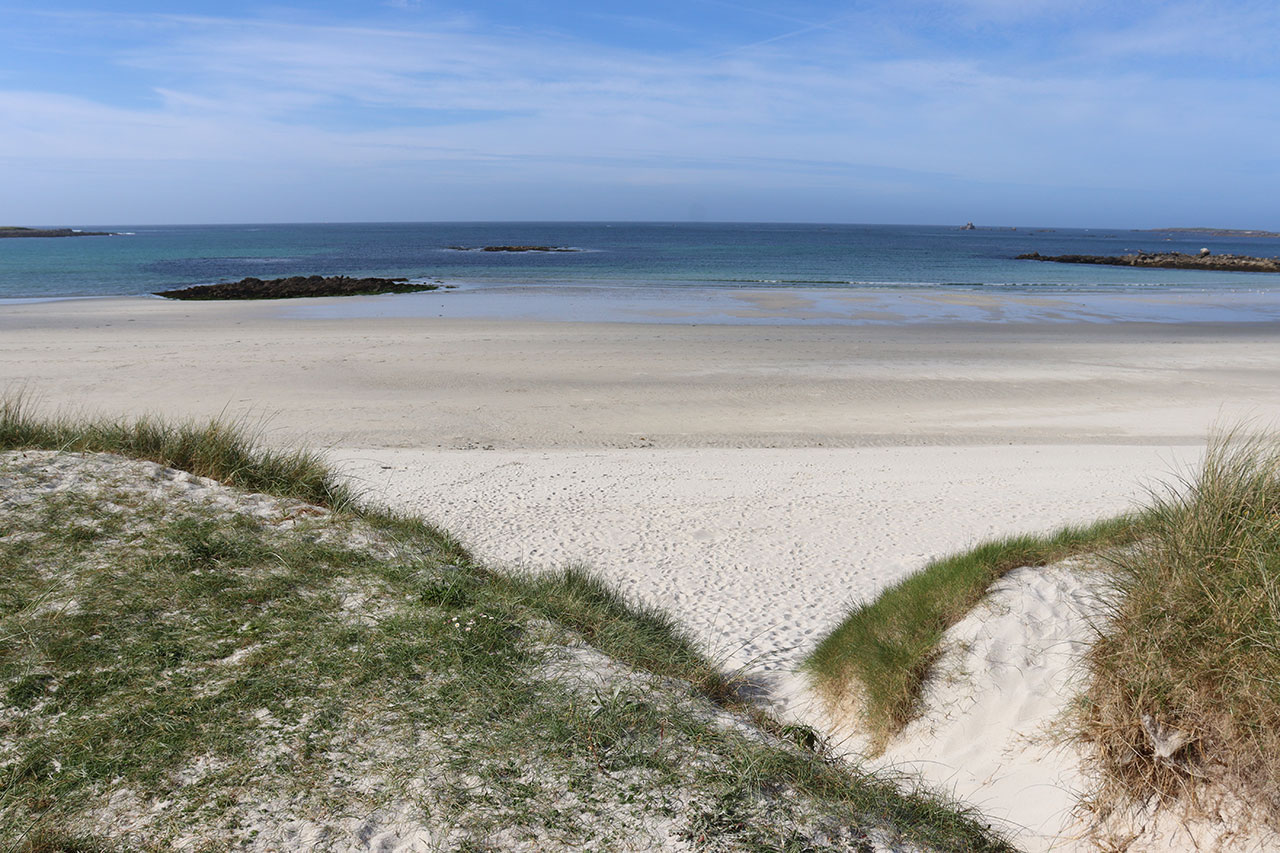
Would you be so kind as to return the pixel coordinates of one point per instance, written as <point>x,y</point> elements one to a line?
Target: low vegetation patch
<point>1184,690</point>
<point>189,665</point>
<point>878,658</point>
<point>226,452</point>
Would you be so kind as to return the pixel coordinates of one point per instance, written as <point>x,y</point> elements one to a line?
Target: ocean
<point>647,261</point>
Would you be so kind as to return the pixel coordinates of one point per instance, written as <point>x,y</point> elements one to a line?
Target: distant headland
<point>18,231</point>
<point>1215,232</point>
<point>1167,260</point>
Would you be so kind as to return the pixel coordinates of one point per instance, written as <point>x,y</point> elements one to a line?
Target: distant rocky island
<point>1168,260</point>
<point>969,226</point>
<point>17,231</point>
<point>514,249</point>
<point>299,286</point>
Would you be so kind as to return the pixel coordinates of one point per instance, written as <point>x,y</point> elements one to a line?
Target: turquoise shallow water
<point>647,263</point>
<point>722,255</point>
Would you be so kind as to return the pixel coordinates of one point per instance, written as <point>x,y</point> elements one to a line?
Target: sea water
<point>641,261</point>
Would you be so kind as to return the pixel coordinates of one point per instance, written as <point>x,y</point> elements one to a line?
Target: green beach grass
<point>182,664</point>
<point>879,657</point>
<point>227,452</point>
<point>1183,683</point>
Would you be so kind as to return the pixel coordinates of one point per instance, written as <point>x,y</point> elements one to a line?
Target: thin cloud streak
<point>455,100</point>
<point>825,25</point>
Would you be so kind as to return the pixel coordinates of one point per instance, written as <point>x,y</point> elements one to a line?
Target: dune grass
<point>1185,683</point>
<point>645,637</point>
<point>195,663</point>
<point>878,658</point>
<point>1183,688</point>
<point>227,452</point>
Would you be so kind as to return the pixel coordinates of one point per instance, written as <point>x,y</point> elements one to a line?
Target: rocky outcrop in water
<point>1167,260</point>
<point>298,286</point>
<point>16,231</point>
<point>514,249</point>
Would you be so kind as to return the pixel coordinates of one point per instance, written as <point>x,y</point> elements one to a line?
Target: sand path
<point>759,551</point>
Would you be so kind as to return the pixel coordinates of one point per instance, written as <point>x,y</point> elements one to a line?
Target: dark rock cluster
<point>298,286</point>
<point>513,249</point>
<point>15,231</point>
<point>1167,260</point>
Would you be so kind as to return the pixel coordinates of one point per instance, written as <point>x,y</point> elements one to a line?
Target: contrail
<point>805,29</point>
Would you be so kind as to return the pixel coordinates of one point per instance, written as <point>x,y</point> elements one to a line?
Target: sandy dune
<point>759,551</point>
<point>754,480</point>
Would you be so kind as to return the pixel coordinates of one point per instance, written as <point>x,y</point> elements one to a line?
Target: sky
<point>1009,112</point>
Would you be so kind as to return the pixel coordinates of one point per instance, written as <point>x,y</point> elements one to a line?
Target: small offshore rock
<point>514,249</point>
<point>298,286</point>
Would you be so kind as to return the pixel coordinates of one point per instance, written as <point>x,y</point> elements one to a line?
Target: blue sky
<point>1015,112</point>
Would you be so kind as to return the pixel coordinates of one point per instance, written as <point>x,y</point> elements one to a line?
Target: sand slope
<point>993,731</point>
<point>759,551</point>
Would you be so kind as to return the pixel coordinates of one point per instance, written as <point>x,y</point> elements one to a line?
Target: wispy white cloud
<point>1186,31</point>
<point>813,106</point>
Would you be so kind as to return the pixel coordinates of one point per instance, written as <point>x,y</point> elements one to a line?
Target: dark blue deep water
<point>631,255</point>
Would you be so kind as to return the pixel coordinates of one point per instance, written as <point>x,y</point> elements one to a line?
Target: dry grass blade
<point>1185,682</point>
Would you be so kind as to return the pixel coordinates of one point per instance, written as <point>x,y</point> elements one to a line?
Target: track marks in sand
<point>757,550</point>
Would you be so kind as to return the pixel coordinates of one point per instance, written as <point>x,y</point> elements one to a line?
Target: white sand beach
<point>753,480</point>
<point>761,551</point>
